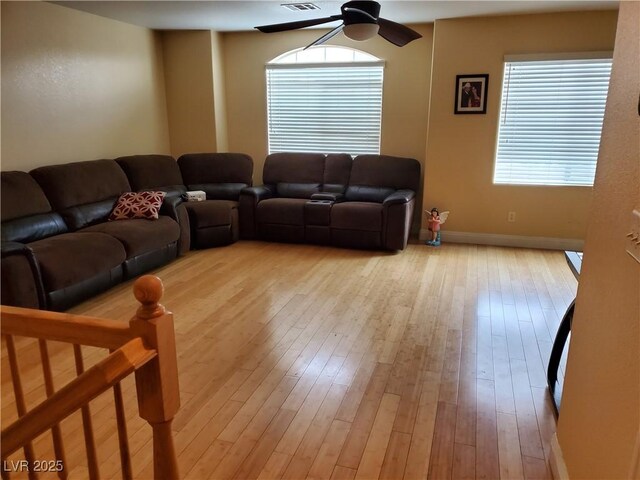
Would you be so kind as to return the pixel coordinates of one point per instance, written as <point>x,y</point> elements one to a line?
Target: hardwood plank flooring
<point>299,361</point>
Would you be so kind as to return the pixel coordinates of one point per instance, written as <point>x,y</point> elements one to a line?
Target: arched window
<point>325,99</point>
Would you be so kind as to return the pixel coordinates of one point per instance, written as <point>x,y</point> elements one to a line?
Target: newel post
<point>157,381</point>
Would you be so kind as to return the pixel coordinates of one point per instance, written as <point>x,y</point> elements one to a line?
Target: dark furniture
<point>378,204</point>
<point>84,193</point>
<point>46,261</point>
<point>222,176</point>
<point>574,259</point>
<point>275,210</point>
<point>331,199</point>
<point>58,247</point>
<point>161,173</point>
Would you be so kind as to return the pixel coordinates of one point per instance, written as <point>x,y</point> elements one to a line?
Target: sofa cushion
<point>220,191</point>
<point>150,171</point>
<point>138,235</point>
<point>291,167</point>
<point>137,205</point>
<point>21,196</point>
<point>386,171</point>
<point>81,183</point>
<point>74,257</point>
<point>200,168</point>
<point>297,190</point>
<point>283,211</point>
<point>337,171</point>
<point>357,216</point>
<point>357,193</point>
<point>210,213</point>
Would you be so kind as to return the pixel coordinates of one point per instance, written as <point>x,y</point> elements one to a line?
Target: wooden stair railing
<point>146,347</point>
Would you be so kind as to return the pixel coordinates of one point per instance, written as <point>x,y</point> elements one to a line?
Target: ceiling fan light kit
<point>361,31</point>
<point>360,21</point>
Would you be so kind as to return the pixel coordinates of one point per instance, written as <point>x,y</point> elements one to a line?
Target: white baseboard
<point>549,243</point>
<point>556,461</point>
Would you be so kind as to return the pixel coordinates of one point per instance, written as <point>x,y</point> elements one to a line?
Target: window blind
<point>325,108</point>
<point>551,121</point>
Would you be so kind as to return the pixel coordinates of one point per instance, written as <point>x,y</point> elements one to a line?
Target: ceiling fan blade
<point>396,33</point>
<point>326,36</point>
<point>282,27</point>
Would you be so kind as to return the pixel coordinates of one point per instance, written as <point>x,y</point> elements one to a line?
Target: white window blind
<point>550,121</point>
<point>329,108</point>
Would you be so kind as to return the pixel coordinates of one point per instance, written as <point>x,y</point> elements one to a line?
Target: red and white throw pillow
<point>137,205</point>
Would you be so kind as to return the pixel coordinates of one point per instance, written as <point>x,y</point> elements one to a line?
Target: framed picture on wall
<point>471,93</point>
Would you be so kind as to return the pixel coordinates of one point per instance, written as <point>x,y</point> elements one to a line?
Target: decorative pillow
<point>137,205</point>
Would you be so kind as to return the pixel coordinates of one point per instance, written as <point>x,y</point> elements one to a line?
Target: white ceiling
<point>244,15</point>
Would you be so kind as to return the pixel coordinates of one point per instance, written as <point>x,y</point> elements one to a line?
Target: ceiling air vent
<point>300,7</point>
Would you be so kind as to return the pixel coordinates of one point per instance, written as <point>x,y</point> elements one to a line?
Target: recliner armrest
<point>9,249</point>
<point>250,197</point>
<point>399,197</point>
<point>334,197</point>
<point>259,193</point>
<point>170,204</point>
<point>15,248</point>
<point>171,207</point>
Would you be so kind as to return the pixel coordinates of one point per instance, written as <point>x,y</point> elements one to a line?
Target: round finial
<point>148,290</point>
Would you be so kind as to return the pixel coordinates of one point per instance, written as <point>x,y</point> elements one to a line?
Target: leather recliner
<point>44,263</point>
<point>222,176</point>
<point>379,202</point>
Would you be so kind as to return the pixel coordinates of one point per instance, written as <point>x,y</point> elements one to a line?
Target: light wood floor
<point>309,362</point>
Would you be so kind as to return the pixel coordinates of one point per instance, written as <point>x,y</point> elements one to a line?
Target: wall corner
<point>556,461</point>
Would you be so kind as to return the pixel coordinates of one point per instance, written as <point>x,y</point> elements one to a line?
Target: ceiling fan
<point>360,21</point>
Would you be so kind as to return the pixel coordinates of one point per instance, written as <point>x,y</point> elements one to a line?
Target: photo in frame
<point>471,93</point>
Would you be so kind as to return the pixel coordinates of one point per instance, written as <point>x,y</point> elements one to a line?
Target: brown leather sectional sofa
<point>58,248</point>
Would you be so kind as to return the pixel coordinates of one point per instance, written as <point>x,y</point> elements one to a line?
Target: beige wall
<point>461,148</point>
<point>78,87</point>
<point>405,96</point>
<point>188,61</point>
<point>100,92</point>
<point>601,402</point>
<point>219,91</point>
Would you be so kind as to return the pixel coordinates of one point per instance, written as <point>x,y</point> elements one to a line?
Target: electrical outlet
<point>511,217</point>
<point>633,237</point>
